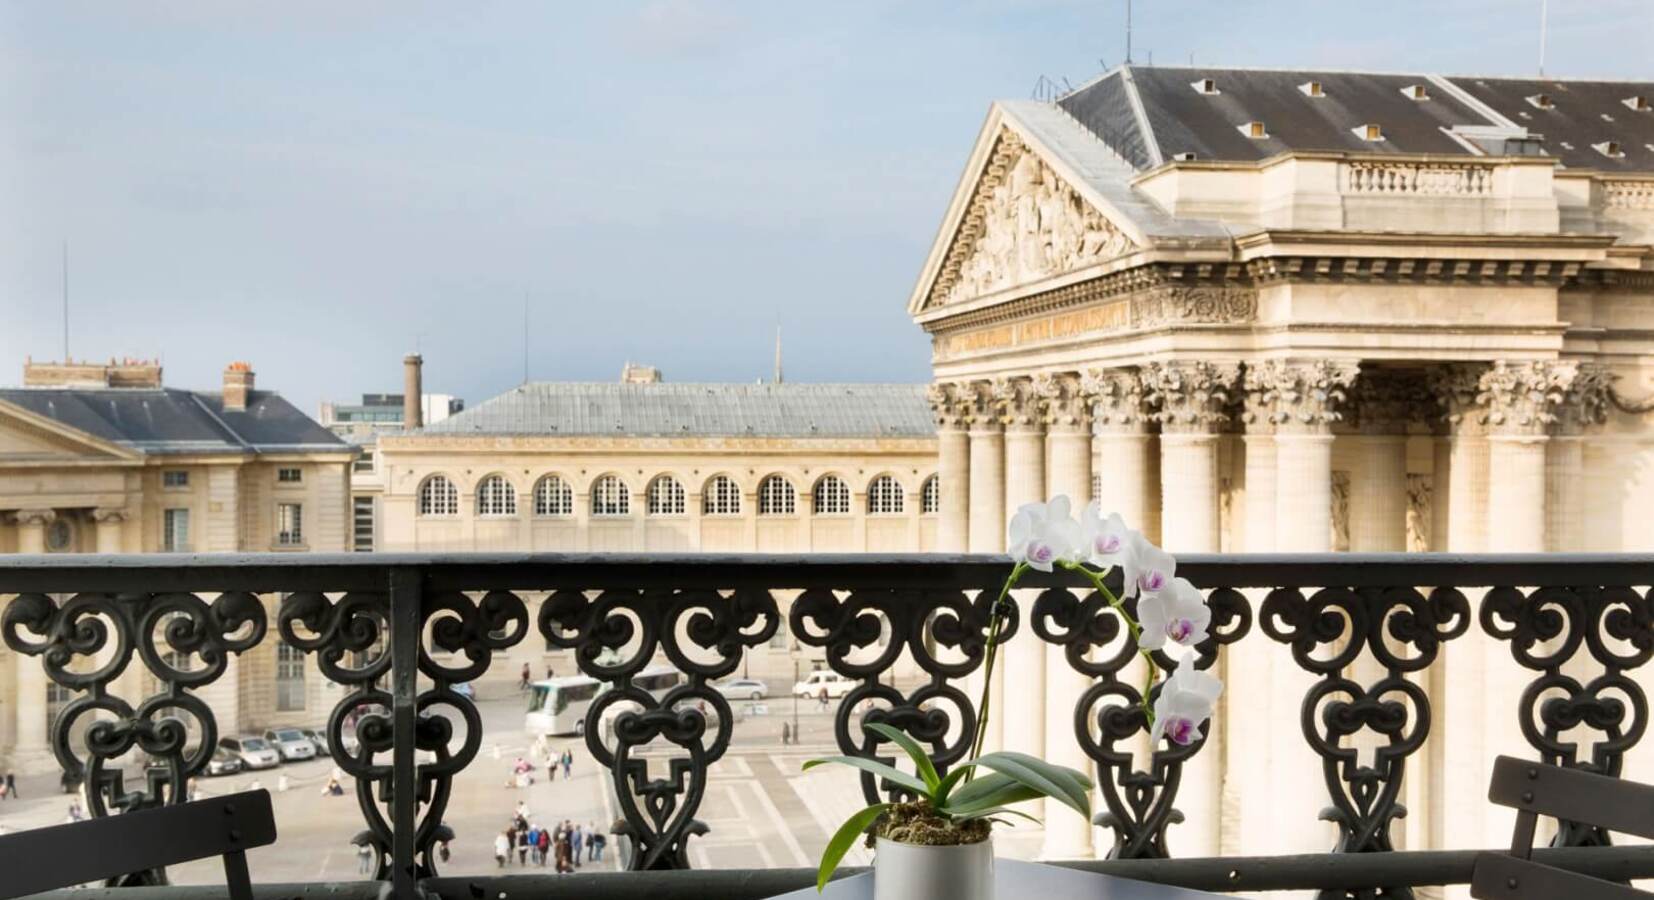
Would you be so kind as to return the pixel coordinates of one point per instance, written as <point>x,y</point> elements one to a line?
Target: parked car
<point>317,740</point>
<point>291,744</point>
<point>742,689</point>
<point>835,684</point>
<point>254,752</point>
<point>223,762</point>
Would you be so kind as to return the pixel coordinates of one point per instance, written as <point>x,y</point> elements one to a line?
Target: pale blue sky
<point>314,185</point>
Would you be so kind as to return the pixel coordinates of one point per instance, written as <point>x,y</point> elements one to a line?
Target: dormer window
<point>1369,132</point>
<point>1610,149</point>
<point>1185,156</point>
<point>1205,86</point>
<point>1312,89</point>
<point>1638,103</point>
<point>1254,130</point>
<point>1541,101</point>
<point>1416,92</point>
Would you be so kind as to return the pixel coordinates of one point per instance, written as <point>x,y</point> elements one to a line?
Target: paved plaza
<point>763,811</point>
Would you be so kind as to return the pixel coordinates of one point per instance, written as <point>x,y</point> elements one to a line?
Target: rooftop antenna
<point>66,300</point>
<point>525,337</point>
<point>778,378</point>
<point>1128,32</point>
<point>1544,14</point>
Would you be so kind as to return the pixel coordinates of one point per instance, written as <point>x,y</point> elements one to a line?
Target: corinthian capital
<point>1061,401</point>
<point>1019,403</point>
<point>1191,394</point>
<point>950,403</point>
<point>1117,401</point>
<point>1525,397</point>
<point>1586,403</point>
<point>1387,401</point>
<point>1299,396</point>
<point>40,517</point>
<point>977,404</point>
<point>1457,390</point>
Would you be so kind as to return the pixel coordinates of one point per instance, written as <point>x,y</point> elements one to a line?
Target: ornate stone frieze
<point>1340,515</point>
<point>1019,404</point>
<point>951,404</point>
<point>1387,401</point>
<point>1525,397</point>
<point>1117,398</point>
<point>1061,401</point>
<point>1180,304</point>
<point>1023,224</point>
<point>1420,491</point>
<point>1190,395</point>
<point>1299,396</point>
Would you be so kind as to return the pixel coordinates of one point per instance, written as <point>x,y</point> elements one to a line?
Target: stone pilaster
<point>951,405</point>
<point>111,527</point>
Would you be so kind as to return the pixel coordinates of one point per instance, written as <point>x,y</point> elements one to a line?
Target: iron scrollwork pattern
<point>937,712</point>
<point>1546,628</point>
<point>103,630</point>
<point>1109,715</point>
<point>1403,631</point>
<point>615,636</point>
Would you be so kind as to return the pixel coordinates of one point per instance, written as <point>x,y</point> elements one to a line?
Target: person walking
<point>544,845</point>
<point>568,762</point>
<point>364,858</point>
<point>522,847</point>
<point>11,786</point>
<point>575,840</point>
<point>549,673</point>
<point>510,841</point>
<point>786,734</point>
<point>563,865</point>
<point>594,841</point>
<point>534,843</point>
<point>823,698</point>
<point>523,684</point>
<point>502,848</point>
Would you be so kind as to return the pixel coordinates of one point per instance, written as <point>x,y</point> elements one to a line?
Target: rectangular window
<point>175,478</point>
<point>289,678</point>
<point>289,524</point>
<point>175,531</point>
<point>289,476</point>
<point>778,641</point>
<point>362,519</point>
<point>363,463</point>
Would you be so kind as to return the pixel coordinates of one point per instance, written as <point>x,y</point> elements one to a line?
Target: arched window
<point>776,497</point>
<point>930,496</point>
<point>438,497</point>
<point>610,497</point>
<point>553,497</point>
<point>884,495</point>
<point>665,497</point>
<point>496,497</point>
<point>722,497</point>
<point>832,496</point>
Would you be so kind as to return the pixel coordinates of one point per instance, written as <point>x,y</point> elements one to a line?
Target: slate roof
<point>1149,114</point>
<point>700,410</point>
<point>168,420</point>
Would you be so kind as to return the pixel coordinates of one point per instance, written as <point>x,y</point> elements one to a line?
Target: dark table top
<point>1014,880</point>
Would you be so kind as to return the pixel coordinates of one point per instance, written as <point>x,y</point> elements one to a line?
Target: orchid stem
<point>1136,631</point>
<point>995,616</point>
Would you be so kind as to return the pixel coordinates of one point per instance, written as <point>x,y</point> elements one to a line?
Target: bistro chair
<point>1536,789</point>
<point>45,859</point>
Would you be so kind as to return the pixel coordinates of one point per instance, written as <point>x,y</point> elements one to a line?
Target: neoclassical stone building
<point>1301,311</point>
<point>104,458</point>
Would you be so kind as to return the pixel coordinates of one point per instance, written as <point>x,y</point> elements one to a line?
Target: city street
<point>761,809</point>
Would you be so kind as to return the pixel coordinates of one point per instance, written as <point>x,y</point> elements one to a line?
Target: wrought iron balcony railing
<point>401,631</point>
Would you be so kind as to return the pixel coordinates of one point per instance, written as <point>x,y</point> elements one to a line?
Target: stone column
<point>1523,400</point>
<point>1258,526</point>
<point>1248,666</point>
<point>31,529</point>
<point>1121,442</point>
<point>1304,400</point>
<point>1023,709</point>
<point>33,747</point>
<point>1382,406</point>
<point>1067,833</point>
<point>1583,407</point>
<point>1192,397</point>
<point>111,529</point>
<point>953,470</point>
<point>987,521</point>
<point>1456,388</point>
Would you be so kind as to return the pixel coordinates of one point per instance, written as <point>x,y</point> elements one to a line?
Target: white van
<point>835,684</point>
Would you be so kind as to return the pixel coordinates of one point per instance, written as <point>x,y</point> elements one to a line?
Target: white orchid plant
<point>1171,612</point>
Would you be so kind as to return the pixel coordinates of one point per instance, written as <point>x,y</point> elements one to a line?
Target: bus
<point>558,705</point>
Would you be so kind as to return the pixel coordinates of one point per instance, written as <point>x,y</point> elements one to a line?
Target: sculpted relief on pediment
<point>1024,224</point>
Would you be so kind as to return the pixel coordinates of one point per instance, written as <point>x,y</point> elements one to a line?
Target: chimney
<point>238,386</point>
<point>413,390</point>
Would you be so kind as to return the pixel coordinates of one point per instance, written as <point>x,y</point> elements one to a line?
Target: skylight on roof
<point>1205,86</point>
<point>1312,89</point>
<point>1253,130</point>
<point>1541,101</point>
<point>1416,92</point>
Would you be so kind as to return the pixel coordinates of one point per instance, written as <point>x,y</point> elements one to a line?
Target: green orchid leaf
<point>843,838</point>
<point>1057,782</point>
<point>949,782</point>
<point>895,775</point>
<point>993,815</point>
<point>978,787</point>
<point>976,804</point>
<point>921,760</point>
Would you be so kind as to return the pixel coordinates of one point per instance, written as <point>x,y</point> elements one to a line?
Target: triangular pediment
<point>1020,222</point>
<point>29,438</point>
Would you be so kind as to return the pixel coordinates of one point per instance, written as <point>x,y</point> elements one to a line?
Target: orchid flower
<point>1155,567</point>
<point>1186,701</point>
<point>1109,543</point>
<point>1043,534</point>
<point>1178,614</point>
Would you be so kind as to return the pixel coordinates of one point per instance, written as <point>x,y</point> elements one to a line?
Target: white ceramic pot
<point>915,872</point>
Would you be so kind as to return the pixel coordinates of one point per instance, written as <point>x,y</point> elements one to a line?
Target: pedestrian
<point>523,685</point>
<point>502,848</point>
<point>534,842</point>
<point>549,673</point>
<point>597,841</point>
<point>522,847</point>
<point>544,846</point>
<point>575,840</point>
<point>568,762</point>
<point>364,858</point>
<point>551,765</point>
<point>823,698</point>
<point>510,841</point>
<point>786,734</point>
<point>521,815</point>
<point>11,786</point>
